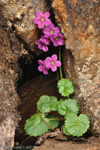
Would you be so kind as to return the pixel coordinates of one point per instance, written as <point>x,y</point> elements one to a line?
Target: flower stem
<point>44,121</point>
<point>57,75</point>
<point>60,61</point>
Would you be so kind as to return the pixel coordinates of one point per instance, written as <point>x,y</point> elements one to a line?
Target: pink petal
<point>58,63</point>
<point>46,36</point>
<point>61,42</point>
<point>47,22</point>
<point>54,57</point>
<point>55,44</point>
<point>40,46</point>
<point>40,25</point>
<point>46,31</point>
<point>45,48</point>
<point>51,25</point>
<point>46,14</point>
<point>57,29</point>
<point>40,68</point>
<point>60,35</point>
<point>41,40</point>
<point>52,39</point>
<point>36,41</point>
<point>36,20</point>
<point>48,65</point>
<point>45,62</point>
<point>47,41</point>
<point>45,71</point>
<point>40,62</point>
<point>53,68</point>
<point>48,59</point>
<point>39,14</point>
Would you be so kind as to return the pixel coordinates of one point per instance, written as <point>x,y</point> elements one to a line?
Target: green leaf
<point>52,121</point>
<point>65,130</point>
<point>61,111</point>
<point>75,125</point>
<point>54,106</point>
<point>46,104</point>
<point>65,87</point>
<point>35,126</point>
<point>68,106</point>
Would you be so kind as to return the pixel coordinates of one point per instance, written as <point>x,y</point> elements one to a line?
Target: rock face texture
<point>9,53</point>
<point>79,22</point>
<point>20,15</point>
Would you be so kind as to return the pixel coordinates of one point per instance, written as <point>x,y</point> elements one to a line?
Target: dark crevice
<point>33,84</point>
<point>29,65</point>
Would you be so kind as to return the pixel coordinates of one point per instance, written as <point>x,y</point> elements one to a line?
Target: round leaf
<point>35,126</point>
<point>75,125</point>
<point>68,106</point>
<point>65,130</point>
<point>61,111</point>
<point>65,87</point>
<point>46,104</point>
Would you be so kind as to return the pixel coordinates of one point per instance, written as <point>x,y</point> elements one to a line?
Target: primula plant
<point>67,108</point>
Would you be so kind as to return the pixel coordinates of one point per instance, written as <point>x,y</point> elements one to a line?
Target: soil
<point>52,144</point>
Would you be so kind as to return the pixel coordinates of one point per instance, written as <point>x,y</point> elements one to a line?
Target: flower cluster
<point>49,63</point>
<point>50,33</point>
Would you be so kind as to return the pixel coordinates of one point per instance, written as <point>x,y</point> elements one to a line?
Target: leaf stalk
<point>45,121</point>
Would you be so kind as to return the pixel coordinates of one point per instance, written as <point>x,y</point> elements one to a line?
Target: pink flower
<point>46,38</point>
<point>52,62</point>
<point>50,31</point>
<point>42,67</point>
<point>57,39</point>
<point>42,19</point>
<point>42,44</point>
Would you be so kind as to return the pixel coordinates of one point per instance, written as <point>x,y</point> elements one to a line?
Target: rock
<point>20,15</point>
<point>79,22</point>
<point>9,54</point>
